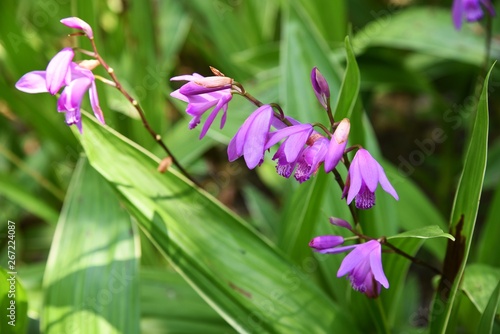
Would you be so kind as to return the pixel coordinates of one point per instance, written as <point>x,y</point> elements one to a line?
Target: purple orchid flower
<point>251,138</point>
<point>321,88</point>
<point>77,23</point>
<point>362,179</point>
<point>363,265</point>
<point>202,94</point>
<point>469,10</point>
<point>62,71</point>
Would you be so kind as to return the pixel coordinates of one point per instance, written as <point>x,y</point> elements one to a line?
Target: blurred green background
<point>419,79</point>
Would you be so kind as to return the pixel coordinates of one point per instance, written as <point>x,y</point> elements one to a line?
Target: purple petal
<point>337,250</point>
<point>472,10</point>
<point>186,77</point>
<point>256,137</point>
<point>276,136</point>
<point>57,69</point>
<point>77,23</point>
<point>376,265</point>
<point>176,94</point>
<point>213,114</point>
<point>73,94</point>
<point>94,102</point>
<point>32,82</point>
<point>74,117</point>
<point>365,199</point>
<point>386,185</point>
<point>368,167</point>
<point>355,182</point>
<point>457,13</point>
<point>357,257</point>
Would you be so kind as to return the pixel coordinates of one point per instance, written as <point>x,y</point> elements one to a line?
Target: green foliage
<point>463,216</point>
<point>91,279</point>
<point>234,256</point>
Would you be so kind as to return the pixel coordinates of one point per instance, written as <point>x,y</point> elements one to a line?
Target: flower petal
<point>386,185</point>
<point>457,13</point>
<point>336,250</point>
<point>32,82</point>
<point>368,168</point>
<point>213,114</point>
<point>354,181</point>
<point>57,69</point>
<point>376,265</point>
<point>257,135</point>
<point>94,102</point>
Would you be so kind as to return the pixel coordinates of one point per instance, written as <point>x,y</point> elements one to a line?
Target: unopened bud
<point>340,223</point>
<point>342,132</point>
<point>320,86</point>
<point>89,64</point>
<point>326,241</point>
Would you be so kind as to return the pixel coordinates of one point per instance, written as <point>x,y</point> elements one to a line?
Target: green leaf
<point>91,278</point>
<point>427,232</point>
<point>26,199</point>
<point>490,232</point>
<point>300,217</point>
<point>415,209</point>
<point>488,317</point>
<point>245,279</point>
<point>168,302</point>
<point>479,282</point>
<point>349,88</point>
<point>13,303</point>
<point>428,31</point>
<point>463,216</point>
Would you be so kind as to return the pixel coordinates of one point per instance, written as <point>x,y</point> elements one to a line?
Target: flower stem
<point>329,113</point>
<point>141,113</point>
<point>409,257</point>
<point>278,114</point>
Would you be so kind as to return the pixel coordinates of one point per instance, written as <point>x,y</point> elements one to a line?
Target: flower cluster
<point>76,79</point>
<point>302,152</point>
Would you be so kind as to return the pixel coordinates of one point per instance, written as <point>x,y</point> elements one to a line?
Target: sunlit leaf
<point>91,278</point>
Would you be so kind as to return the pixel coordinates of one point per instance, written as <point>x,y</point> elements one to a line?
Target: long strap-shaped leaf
<point>463,216</point>
<point>91,279</point>
<point>244,278</point>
